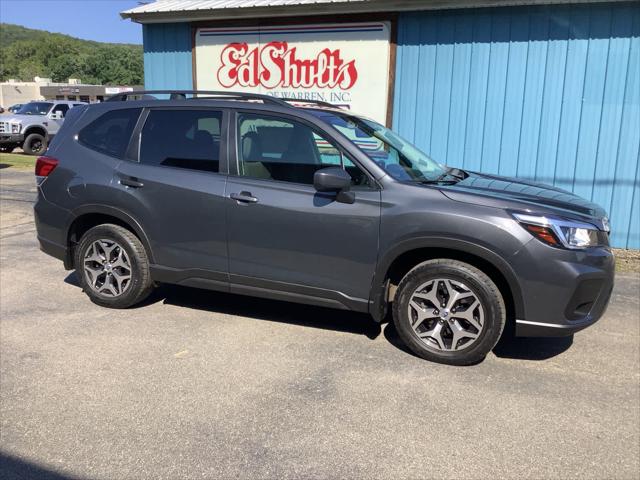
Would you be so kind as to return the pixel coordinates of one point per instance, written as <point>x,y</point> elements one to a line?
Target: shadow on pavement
<point>272,310</point>
<point>391,334</point>
<point>509,345</point>
<point>528,348</point>
<point>14,468</point>
<point>259,308</point>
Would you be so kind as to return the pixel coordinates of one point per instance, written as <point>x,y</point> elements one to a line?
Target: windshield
<point>34,108</point>
<point>396,156</point>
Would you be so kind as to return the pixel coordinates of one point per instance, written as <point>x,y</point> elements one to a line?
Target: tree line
<point>26,53</point>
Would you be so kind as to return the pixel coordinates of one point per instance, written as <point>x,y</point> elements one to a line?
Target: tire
<point>7,148</point>
<point>34,144</point>
<point>102,268</point>
<point>427,329</point>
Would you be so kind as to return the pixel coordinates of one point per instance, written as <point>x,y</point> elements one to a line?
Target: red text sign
<point>275,65</point>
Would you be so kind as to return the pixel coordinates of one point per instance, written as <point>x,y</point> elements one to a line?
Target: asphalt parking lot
<point>196,384</point>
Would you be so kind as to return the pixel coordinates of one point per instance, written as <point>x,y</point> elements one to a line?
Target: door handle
<point>244,197</point>
<point>131,182</point>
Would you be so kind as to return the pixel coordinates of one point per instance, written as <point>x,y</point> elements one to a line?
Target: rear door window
<point>182,139</point>
<point>110,133</point>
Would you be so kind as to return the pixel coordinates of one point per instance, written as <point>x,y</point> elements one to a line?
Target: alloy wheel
<point>107,268</point>
<point>446,314</point>
<point>36,146</point>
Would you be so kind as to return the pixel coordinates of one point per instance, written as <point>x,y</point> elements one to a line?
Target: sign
<point>343,64</point>
<point>114,90</point>
<point>68,90</point>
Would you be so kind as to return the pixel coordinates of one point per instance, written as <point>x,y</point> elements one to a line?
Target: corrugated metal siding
<point>545,93</point>
<point>167,56</point>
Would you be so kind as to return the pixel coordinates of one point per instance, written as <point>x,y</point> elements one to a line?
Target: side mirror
<point>57,115</point>
<point>334,179</point>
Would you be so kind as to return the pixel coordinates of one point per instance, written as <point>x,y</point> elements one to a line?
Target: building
<point>81,92</point>
<point>13,92</point>
<point>544,90</point>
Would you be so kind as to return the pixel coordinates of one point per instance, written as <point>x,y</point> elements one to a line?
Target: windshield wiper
<point>438,182</point>
<point>450,172</point>
<point>457,173</point>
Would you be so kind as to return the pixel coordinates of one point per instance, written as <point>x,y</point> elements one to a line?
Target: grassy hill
<point>26,53</point>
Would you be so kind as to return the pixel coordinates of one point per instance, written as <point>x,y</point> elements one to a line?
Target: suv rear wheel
<point>448,311</point>
<point>113,267</point>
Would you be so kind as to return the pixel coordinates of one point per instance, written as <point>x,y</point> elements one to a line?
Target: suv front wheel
<point>448,311</point>
<point>112,267</point>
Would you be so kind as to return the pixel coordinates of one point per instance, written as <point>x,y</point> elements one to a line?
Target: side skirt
<point>258,287</point>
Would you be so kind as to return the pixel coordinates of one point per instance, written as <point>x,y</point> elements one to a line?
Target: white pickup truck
<point>33,126</point>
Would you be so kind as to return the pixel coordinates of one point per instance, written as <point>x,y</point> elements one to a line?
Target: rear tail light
<point>44,167</point>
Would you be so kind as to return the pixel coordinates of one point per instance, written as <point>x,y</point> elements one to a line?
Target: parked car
<point>15,108</point>
<point>1,109</point>
<point>313,204</point>
<point>33,126</point>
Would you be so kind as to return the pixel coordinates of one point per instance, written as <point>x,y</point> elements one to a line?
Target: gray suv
<point>253,195</point>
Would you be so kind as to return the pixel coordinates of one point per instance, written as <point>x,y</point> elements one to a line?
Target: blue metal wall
<point>167,56</point>
<point>544,93</point>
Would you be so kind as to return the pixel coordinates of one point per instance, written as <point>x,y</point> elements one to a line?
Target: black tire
<point>139,286</point>
<point>34,144</point>
<point>6,148</point>
<point>482,288</point>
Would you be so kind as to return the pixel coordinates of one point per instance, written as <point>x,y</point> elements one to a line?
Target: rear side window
<point>110,133</point>
<point>182,139</point>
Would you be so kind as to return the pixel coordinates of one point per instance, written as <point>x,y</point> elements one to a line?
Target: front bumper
<point>564,291</point>
<point>11,138</point>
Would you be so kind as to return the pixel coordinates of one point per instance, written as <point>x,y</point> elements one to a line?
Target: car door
<point>175,187</point>
<point>55,123</point>
<point>285,236</point>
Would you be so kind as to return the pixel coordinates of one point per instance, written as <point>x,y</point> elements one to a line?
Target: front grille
<point>4,127</point>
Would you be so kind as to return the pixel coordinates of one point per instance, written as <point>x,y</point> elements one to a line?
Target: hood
<point>14,118</point>
<point>518,194</point>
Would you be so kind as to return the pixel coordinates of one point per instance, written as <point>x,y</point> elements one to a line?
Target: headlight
<point>562,232</point>
<point>16,127</point>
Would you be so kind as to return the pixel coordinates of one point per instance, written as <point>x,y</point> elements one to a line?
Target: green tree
<point>26,53</point>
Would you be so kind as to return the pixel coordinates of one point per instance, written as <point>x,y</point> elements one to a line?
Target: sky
<point>87,19</point>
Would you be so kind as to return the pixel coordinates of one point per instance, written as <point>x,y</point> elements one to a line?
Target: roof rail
<point>322,103</point>
<point>182,95</point>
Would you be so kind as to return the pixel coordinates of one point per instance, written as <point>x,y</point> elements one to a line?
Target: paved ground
<point>204,385</point>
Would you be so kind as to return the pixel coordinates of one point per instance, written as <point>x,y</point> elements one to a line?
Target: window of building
<point>287,151</point>
<point>182,139</point>
<point>110,133</point>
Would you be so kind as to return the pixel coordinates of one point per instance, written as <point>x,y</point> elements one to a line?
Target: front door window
<point>288,151</point>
